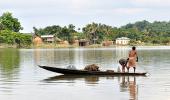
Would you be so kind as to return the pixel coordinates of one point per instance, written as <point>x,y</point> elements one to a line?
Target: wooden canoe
<point>84,72</point>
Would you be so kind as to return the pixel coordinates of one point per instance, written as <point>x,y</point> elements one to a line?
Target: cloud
<point>80,4</point>
<point>41,13</point>
<point>151,3</point>
<point>130,10</point>
<point>30,4</point>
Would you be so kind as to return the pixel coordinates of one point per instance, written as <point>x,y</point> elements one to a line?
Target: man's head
<point>133,48</point>
<point>123,61</point>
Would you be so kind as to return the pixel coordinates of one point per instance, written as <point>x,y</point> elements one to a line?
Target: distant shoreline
<point>50,46</point>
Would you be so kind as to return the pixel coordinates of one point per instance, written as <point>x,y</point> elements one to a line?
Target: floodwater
<point>22,79</point>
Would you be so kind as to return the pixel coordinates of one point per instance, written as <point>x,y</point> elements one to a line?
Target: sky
<point>42,13</point>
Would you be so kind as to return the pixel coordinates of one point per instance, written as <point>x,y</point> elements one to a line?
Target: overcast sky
<point>42,13</point>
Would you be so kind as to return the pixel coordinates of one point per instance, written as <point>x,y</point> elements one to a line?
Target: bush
<point>12,38</point>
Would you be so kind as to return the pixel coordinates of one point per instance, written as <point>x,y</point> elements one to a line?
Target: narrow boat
<point>85,72</point>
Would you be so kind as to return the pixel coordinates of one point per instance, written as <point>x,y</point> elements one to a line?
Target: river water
<point>22,79</point>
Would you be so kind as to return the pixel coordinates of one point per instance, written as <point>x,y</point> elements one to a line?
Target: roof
<point>123,38</point>
<point>47,36</point>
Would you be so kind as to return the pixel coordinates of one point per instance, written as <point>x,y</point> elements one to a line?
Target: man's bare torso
<point>132,53</point>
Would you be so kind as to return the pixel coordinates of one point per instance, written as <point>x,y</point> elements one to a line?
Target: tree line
<point>139,32</point>
<point>9,31</point>
<point>157,32</point>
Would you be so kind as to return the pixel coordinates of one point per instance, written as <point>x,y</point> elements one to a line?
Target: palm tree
<point>71,28</point>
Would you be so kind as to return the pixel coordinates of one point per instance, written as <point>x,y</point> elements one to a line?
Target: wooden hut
<point>83,42</point>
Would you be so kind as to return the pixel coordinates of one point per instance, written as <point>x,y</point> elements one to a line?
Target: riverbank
<point>7,46</point>
<point>50,45</point>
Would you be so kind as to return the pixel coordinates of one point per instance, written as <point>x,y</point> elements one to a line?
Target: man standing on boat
<point>133,58</point>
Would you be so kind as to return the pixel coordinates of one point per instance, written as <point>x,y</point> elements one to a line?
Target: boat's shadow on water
<point>126,83</point>
<point>89,78</point>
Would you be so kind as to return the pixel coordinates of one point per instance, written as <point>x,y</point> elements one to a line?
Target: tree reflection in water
<point>9,69</point>
<point>9,62</point>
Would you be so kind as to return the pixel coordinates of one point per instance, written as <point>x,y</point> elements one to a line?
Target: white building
<point>122,41</point>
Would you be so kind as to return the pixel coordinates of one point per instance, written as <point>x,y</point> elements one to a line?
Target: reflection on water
<point>129,84</point>
<point>88,79</point>
<point>126,83</point>
<point>9,62</point>
<point>79,57</point>
<point>21,78</point>
<point>9,69</point>
<point>121,52</point>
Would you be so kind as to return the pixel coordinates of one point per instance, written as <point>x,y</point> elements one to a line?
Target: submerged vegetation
<point>140,32</point>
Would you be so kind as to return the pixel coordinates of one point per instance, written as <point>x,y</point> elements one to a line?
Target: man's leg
<point>123,68</point>
<point>134,68</point>
<point>128,69</point>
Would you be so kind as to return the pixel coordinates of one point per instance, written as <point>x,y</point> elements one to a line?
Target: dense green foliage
<point>64,33</point>
<point>9,37</point>
<point>144,26</point>
<point>96,33</point>
<point>139,32</point>
<point>156,32</point>
<point>9,31</point>
<point>8,22</point>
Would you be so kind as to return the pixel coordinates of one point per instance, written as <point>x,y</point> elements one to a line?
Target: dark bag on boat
<point>92,67</point>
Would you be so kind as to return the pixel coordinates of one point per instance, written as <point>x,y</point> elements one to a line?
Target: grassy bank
<point>7,46</point>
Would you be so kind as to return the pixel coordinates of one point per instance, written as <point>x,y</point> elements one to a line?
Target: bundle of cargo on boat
<point>92,67</point>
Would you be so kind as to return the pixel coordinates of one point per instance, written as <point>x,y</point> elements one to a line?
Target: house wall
<point>122,42</point>
<point>47,38</point>
<point>50,39</point>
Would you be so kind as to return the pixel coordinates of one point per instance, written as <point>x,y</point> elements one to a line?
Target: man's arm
<point>136,57</point>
